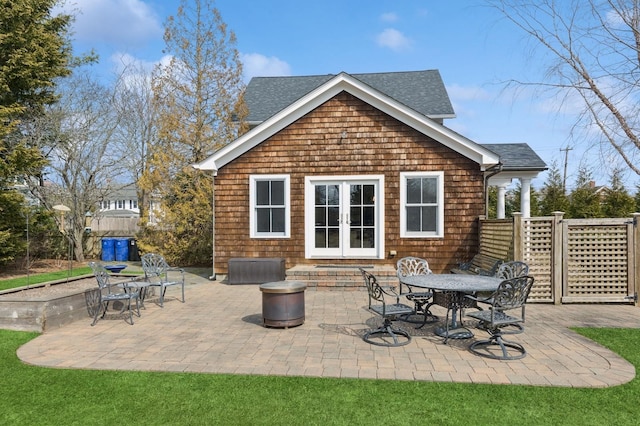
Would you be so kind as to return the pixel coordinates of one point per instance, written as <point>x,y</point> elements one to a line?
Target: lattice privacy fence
<point>572,260</point>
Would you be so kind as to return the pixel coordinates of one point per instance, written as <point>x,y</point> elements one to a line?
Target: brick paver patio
<point>218,330</point>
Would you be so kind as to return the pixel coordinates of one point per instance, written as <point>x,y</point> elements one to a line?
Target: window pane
<point>277,193</point>
<point>430,190</point>
<point>429,218</point>
<point>262,193</point>
<point>413,219</point>
<point>277,217</point>
<point>414,191</point>
<point>263,220</point>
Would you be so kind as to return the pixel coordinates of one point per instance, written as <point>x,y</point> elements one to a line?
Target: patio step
<point>340,276</point>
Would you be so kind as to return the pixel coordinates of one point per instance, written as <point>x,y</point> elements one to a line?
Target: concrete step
<point>341,276</point>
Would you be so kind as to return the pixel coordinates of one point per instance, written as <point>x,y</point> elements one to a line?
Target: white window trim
<point>403,211</point>
<point>252,207</point>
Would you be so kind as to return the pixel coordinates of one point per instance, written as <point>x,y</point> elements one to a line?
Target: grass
<point>43,396</point>
<point>43,278</point>
<point>46,277</point>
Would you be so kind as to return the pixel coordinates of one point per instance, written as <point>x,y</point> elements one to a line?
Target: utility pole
<point>564,177</point>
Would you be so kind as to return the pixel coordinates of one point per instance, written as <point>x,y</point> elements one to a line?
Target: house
<point>354,169</point>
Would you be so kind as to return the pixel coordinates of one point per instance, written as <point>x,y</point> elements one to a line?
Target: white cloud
<point>389,17</point>
<point>116,22</point>
<point>257,65</point>
<point>393,39</point>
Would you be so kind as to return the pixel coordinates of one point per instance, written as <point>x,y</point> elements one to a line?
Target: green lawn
<point>43,396</point>
<point>43,278</point>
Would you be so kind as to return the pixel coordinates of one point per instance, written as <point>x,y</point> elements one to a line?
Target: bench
<point>256,270</point>
<point>481,264</point>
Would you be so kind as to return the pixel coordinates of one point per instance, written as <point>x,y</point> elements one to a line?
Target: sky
<point>475,49</point>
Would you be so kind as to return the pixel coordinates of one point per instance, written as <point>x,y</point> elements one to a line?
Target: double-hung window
<point>422,205</point>
<point>269,200</point>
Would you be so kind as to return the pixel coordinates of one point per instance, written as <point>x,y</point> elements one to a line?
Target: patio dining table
<point>458,285</point>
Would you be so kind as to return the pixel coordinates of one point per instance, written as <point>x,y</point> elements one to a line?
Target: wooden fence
<point>572,260</point>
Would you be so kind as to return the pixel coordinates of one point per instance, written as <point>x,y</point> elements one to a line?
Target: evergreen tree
<point>553,198</point>
<point>637,199</point>
<point>199,103</point>
<point>35,50</point>
<point>585,200</point>
<point>617,201</point>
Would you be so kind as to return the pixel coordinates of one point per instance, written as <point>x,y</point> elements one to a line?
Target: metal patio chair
<point>386,334</point>
<point>512,269</point>
<point>421,298</point>
<point>108,292</point>
<point>507,308</point>
<point>157,273</point>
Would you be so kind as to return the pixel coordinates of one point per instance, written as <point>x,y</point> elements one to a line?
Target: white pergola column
<point>525,197</point>
<point>500,207</point>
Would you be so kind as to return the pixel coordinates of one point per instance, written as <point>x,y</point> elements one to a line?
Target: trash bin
<point>108,249</point>
<point>122,249</point>
<point>134,253</point>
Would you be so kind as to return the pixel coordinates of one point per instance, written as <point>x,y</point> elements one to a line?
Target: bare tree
<point>594,46</point>
<point>77,137</point>
<point>137,130</point>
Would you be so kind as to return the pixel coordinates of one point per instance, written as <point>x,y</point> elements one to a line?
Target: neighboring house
<point>355,169</point>
<point>121,202</point>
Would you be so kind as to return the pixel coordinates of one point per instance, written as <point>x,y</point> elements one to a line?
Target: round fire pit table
<point>283,303</point>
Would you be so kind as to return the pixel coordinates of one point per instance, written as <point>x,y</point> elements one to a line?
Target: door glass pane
<point>333,195</point>
<point>368,214</point>
<point>321,238</point>
<point>333,216</point>
<point>333,240</point>
<point>368,195</point>
<point>321,216</point>
<point>355,238</point>
<point>368,238</point>
<point>355,216</point>
<point>321,195</point>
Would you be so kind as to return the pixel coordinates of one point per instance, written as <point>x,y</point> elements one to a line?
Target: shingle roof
<point>423,91</point>
<point>516,156</point>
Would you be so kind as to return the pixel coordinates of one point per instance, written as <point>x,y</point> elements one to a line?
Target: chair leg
<point>508,350</point>
<point>399,337</point>
<point>103,308</point>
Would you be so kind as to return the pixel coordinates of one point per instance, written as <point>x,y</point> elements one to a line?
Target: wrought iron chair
<point>408,266</point>
<point>386,334</point>
<point>511,295</point>
<point>512,269</point>
<point>157,271</point>
<point>106,293</point>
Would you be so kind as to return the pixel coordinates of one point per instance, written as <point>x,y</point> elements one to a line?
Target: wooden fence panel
<point>496,238</point>
<point>597,260</point>
<point>537,252</point>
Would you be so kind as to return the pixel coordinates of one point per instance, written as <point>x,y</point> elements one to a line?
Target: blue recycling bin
<point>108,249</point>
<point>122,249</point>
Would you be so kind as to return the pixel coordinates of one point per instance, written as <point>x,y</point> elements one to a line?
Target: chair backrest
<point>101,274</point>
<point>512,293</point>
<point>512,269</point>
<point>408,266</point>
<point>154,265</point>
<point>373,288</point>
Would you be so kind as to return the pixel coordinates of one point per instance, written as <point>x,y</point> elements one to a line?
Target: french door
<point>344,217</point>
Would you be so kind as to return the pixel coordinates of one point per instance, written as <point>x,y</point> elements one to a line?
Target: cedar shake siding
<point>375,143</point>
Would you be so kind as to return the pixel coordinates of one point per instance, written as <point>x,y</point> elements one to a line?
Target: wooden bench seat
<point>481,264</point>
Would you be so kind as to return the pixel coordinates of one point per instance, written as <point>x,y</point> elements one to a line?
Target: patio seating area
<point>186,337</point>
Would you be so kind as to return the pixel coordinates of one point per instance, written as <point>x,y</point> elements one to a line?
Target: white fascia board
<point>344,82</point>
